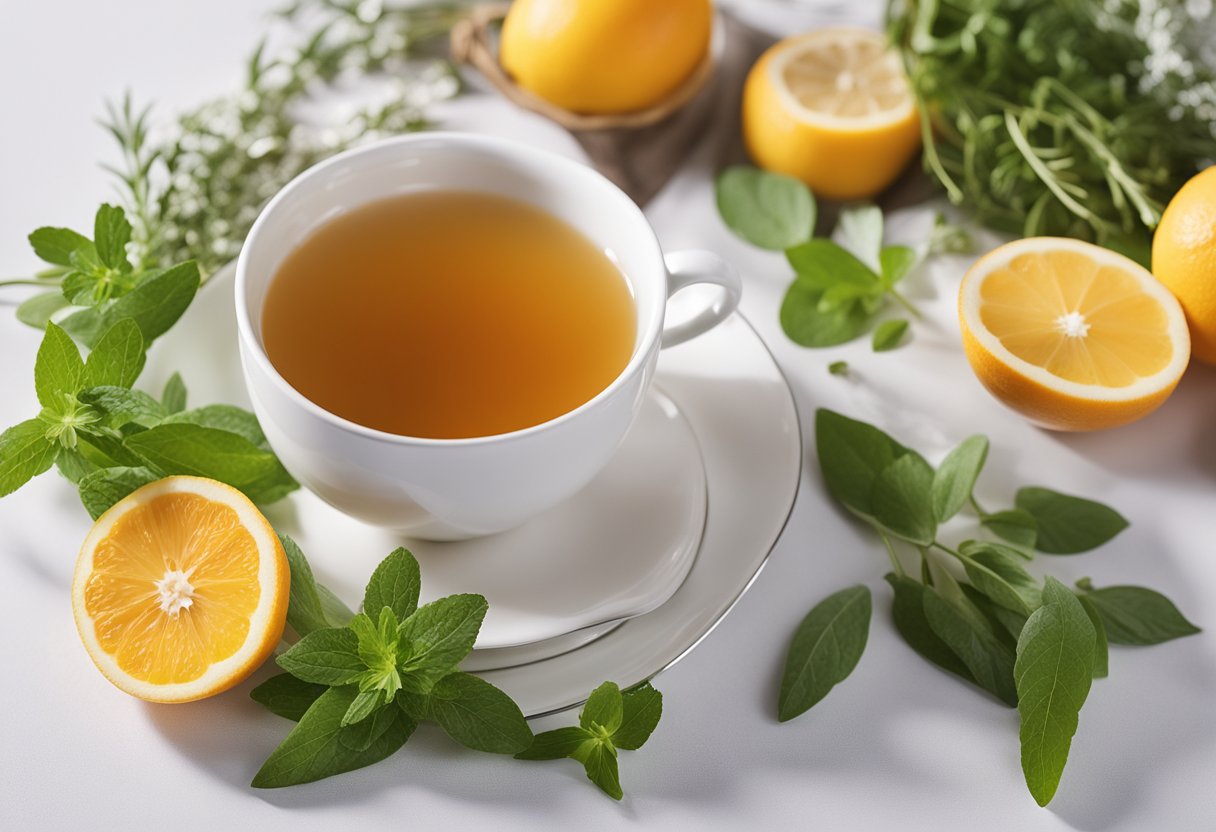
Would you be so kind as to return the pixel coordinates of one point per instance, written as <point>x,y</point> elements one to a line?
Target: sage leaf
<point>605,708</point>
<point>908,613</point>
<point>1139,616</point>
<point>308,608</point>
<point>58,367</point>
<point>889,334</point>
<point>826,647</point>
<point>768,210</point>
<point>25,452</point>
<point>38,310</point>
<point>955,478</point>
<point>56,245</point>
<point>1014,525</point>
<point>325,657</point>
<point>1101,644</point>
<point>860,230</point>
<point>174,395</point>
<point>642,708</point>
<point>1068,525</point>
<point>1055,660</point>
<point>286,696</point>
<point>104,487</point>
<point>478,715</point>
<point>111,233</point>
<point>395,584</point>
<point>903,501</point>
<point>557,744</point>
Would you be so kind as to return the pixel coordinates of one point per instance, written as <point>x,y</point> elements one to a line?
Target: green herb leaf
<point>903,501</point>
<point>223,417</point>
<point>1101,645</point>
<point>839,368</point>
<point>1001,578</point>
<point>557,744</point>
<point>111,233</point>
<point>1015,525</point>
<point>315,749</point>
<point>118,358</point>
<point>122,406</point>
<point>360,734</point>
<point>395,584</point>
<point>767,209</point>
<point>860,231</point>
<point>1066,524</point>
<point>889,334</point>
<point>965,630</point>
<point>74,465</point>
<point>25,452</point>
<point>325,657</point>
<point>822,264</point>
<point>808,324</point>
<point>106,486</point>
<point>478,715</point>
<point>642,710</point>
<point>56,245</point>
<point>155,305</point>
<point>895,262</point>
<point>37,311</point>
<point>1055,660</point>
<point>174,396</point>
<point>955,477</point>
<point>58,368</point>
<point>363,706</point>
<point>438,636</point>
<point>827,646</point>
<point>605,708</point>
<point>1136,615</point>
<point>908,612</point>
<point>309,609</point>
<point>599,760</point>
<point>852,454</point>
<point>286,696</point>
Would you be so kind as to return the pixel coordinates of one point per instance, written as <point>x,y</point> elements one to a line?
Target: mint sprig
<point>610,721</point>
<point>974,609</point>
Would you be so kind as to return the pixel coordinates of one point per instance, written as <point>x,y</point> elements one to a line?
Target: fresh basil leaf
<point>56,245</point>
<point>118,358</point>
<point>556,744</point>
<point>363,706</point>
<point>1055,660</point>
<point>325,657</point>
<point>599,761</point>
<point>1139,616</point>
<point>106,486</point>
<point>766,209</point>
<point>308,609</point>
<point>438,637</point>
<point>895,262</point>
<point>155,305</point>
<point>1068,525</point>
<point>206,452</point>
<point>605,708</point>
<point>58,368</point>
<point>965,630</point>
<point>908,612</point>
<point>808,325</point>
<point>827,646</point>
<point>1002,579</point>
<point>174,395</point>
<point>122,406</point>
<point>889,334</point>
<point>955,478</point>
<point>111,233</point>
<point>37,311</point>
<point>860,229</point>
<point>642,710</point>
<point>902,499</point>
<point>395,584</point>
<point>315,748</point>
<point>286,696</point>
<point>1101,645</point>
<point>478,715</point>
<point>223,417</point>
<point>25,452</point>
<point>851,456</point>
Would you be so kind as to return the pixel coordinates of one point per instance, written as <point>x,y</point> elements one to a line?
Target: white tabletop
<point>898,745</point>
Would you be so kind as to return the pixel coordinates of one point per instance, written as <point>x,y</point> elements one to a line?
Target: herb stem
<point>899,569</point>
<point>21,281</point>
<point>926,577</point>
<point>975,504</point>
<point>952,552</point>
<point>905,303</point>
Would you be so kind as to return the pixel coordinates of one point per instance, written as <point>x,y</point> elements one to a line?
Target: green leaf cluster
<point>610,721</point>
<point>358,685</point>
<point>974,610</point>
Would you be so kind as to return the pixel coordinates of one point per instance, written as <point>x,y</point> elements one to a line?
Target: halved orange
<point>180,590</point>
<point>1071,335</point>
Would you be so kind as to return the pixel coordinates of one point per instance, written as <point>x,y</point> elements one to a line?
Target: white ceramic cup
<point>445,489</point>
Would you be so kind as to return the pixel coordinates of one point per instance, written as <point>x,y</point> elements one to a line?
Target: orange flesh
<point>122,599</point>
<point>852,81</point>
<point>1028,304</point>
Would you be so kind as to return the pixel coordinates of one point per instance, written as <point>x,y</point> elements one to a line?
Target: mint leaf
<point>74,465</point>
<point>121,406</point>
<point>286,696</point>
<point>889,334</point>
<point>642,710</point>
<point>174,395</point>
<point>1139,616</point>
<point>37,311</point>
<point>808,324</point>
<point>311,607</point>
<point>1101,644</point>
<point>58,368</point>
<point>895,263</point>
<point>766,209</point>
<point>56,245</point>
<point>605,709</point>
<point>379,650</point>
<point>104,487</point>
<point>1068,525</point>
<point>360,734</point>
<point>1001,578</point>
<point>955,478</point>
<point>860,229</point>
<point>118,358</point>
<point>395,584</point>
<point>556,744</point>
<point>599,760</point>
<point>325,657</point>
<point>155,305</point>
<point>827,646</point>
<point>478,715</point>
<point>908,612</point>
<point>902,499</point>
<point>363,706</point>
<point>319,746</point>
<point>25,452</point>
<point>111,233</point>
<point>1015,525</point>
<point>965,630</point>
<point>1055,660</point>
<point>438,637</point>
<point>223,417</point>
<point>851,456</point>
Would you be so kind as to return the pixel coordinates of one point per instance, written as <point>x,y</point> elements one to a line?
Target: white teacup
<point>446,489</point>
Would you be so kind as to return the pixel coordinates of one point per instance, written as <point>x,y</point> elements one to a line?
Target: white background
<point>898,745</point>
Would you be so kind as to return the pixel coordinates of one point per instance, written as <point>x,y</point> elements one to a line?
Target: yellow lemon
<point>1184,258</point>
<point>832,108</point>
<point>604,56</point>
<point>1070,335</point>
<point>180,590</point>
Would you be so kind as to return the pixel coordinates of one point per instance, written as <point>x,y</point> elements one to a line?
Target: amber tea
<point>448,314</point>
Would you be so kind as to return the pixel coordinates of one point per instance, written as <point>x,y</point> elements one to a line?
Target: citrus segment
<point>180,590</point>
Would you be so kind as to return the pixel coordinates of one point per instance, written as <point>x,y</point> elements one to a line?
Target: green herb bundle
<point>1075,118</point>
<point>1033,645</point>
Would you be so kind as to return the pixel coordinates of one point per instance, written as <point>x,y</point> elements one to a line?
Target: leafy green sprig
<point>973,609</point>
<point>839,288</point>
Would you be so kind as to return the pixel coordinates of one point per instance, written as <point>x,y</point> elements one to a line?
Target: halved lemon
<point>180,590</point>
<point>1071,335</point>
<point>834,109</point>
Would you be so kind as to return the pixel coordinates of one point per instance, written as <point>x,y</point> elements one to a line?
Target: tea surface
<point>448,314</point>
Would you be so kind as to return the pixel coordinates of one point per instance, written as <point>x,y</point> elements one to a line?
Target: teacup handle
<point>684,268</point>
